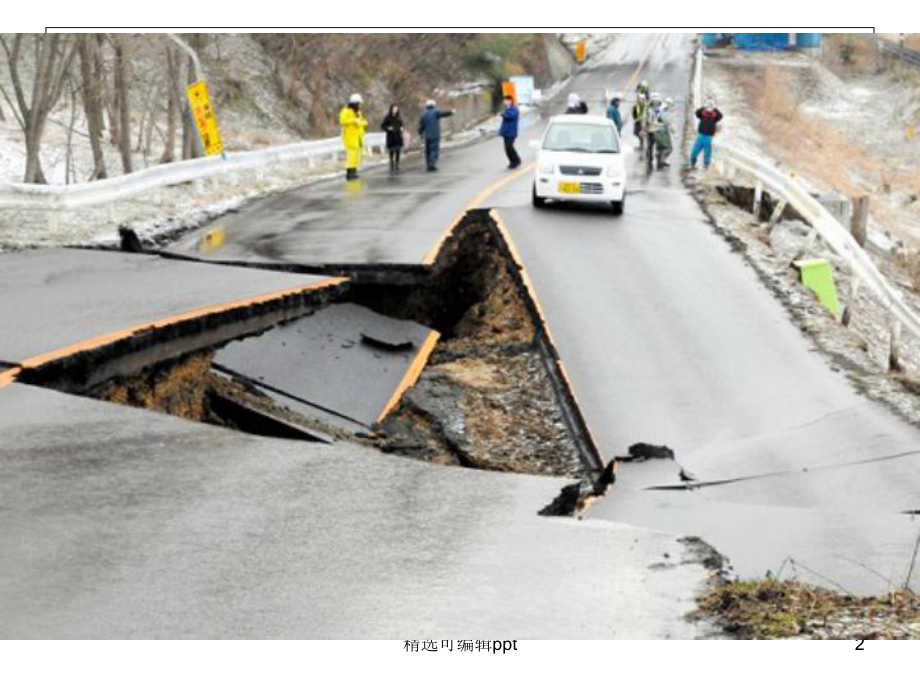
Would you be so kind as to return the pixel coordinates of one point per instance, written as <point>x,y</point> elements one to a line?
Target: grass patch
<point>773,609</point>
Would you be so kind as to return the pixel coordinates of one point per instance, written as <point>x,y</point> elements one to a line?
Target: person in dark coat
<point>509,131</point>
<point>429,127</point>
<point>393,125</point>
<point>576,106</point>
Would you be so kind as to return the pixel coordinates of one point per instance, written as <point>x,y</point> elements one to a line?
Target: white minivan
<point>580,159</point>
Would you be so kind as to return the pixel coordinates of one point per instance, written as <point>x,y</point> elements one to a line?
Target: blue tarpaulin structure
<point>760,41</point>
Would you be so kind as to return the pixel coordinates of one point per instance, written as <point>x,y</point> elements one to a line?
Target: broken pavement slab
<point>123,523</point>
<point>60,303</point>
<point>345,364</point>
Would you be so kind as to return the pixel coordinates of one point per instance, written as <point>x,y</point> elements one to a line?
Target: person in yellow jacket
<point>353,125</point>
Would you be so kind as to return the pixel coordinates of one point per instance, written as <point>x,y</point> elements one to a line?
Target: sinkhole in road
<point>448,363</point>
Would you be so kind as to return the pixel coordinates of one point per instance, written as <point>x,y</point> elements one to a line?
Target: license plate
<point>569,187</point>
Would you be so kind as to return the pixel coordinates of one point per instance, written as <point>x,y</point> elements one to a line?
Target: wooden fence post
<point>894,361</point>
<point>859,221</point>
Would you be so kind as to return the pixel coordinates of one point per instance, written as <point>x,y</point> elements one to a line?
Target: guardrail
<point>899,51</point>
<point>785,186</point>
<point>20,196</point>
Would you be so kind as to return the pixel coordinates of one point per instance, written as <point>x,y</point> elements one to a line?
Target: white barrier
<point>785,186</point>
<point>36,197</point>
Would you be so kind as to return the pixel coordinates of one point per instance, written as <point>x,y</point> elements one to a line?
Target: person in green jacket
<point>638,116</point>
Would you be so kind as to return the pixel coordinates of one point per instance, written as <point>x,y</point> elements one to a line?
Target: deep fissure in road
<point>490,396</point>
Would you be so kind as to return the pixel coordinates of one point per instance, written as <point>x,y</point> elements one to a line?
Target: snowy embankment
<point>845,135</point>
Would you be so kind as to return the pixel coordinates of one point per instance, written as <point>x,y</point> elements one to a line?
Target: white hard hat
<point>355,98</point>
<point>617,96</point>
<point>430,103</point>
<point>574,99</point>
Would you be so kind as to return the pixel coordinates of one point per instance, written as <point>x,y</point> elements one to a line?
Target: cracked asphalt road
<point>124,523</point>
<point>668,337</point>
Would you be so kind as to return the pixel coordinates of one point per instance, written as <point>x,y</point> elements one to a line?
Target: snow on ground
<point>254,116</point>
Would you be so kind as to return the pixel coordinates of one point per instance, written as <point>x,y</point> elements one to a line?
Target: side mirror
<point>534,143</point>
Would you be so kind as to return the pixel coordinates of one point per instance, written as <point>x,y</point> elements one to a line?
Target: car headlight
<point>547,168</point>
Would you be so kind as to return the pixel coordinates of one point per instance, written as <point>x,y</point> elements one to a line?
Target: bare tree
<point>54,54</point>
<point>91,88</point>
<point>120,43</point>
<point>173,104</point>
<point>70,173</point>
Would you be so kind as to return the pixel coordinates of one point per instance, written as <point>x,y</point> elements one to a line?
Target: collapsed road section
<point>449,363</point>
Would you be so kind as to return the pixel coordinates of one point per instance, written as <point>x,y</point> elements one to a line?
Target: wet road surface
<point>669,338</point>
<point>119,522</point>
<point>380,218</point>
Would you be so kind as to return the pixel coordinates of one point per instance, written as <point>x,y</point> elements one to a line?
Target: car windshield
<point>584,138</point>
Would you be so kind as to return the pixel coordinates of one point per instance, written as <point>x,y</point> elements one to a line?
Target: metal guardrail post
<point>851,302</point>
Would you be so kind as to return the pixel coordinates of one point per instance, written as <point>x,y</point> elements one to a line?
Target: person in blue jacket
<point>613,111</point>
<point>509,131</point>
<point>429,126</point>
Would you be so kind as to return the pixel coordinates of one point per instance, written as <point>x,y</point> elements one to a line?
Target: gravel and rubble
<point>485,399</point>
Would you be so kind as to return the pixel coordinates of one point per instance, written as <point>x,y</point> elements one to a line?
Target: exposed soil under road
<point>486,399</point>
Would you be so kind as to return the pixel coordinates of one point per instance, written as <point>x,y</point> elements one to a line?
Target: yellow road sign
<point>205,118</point>
<point>581,50</point>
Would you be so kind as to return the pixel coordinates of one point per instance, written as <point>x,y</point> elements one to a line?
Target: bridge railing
<point>785,186</point>
<point>21,196</point>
